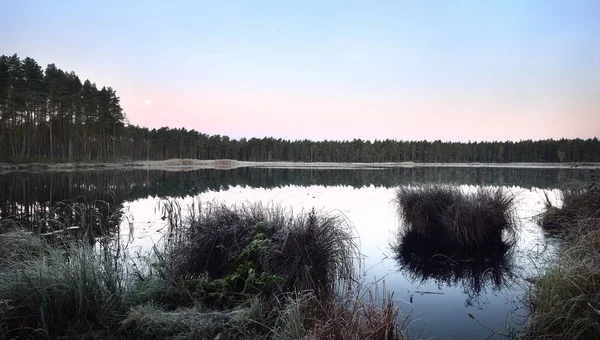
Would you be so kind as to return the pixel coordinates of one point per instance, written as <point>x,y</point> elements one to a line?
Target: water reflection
<point>77,216</point>
<point>28,196</point>
<point>422,260</point>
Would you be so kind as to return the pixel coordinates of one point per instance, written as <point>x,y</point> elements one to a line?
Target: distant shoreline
<point>225,164</point>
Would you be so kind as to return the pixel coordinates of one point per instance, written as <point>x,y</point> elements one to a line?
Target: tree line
<point>50,115</point>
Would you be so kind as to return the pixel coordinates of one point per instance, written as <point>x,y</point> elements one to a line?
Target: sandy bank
<point>192,164</point>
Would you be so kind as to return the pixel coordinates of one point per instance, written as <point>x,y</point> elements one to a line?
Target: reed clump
<point>451,215</point>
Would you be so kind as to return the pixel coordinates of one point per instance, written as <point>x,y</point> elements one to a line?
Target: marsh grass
<point>283,276</point>
<point>565,301</point>
<point>451,215</point>
<point>52,291</point>
<point>577,204</point>
<point>253,272</point>
<point>361,313</point>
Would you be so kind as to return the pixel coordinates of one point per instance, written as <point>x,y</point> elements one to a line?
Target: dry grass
<point>360,314</point>
<point>565,301</point>
<point>451,215</point>
<point>310,251</point>
<point>577,205</point>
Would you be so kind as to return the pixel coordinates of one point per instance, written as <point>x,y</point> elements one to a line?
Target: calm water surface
<point>468,301</point>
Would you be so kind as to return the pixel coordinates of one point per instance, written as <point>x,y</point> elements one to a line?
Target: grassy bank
<point>565,301</point>
<point>450,215</point>
<point>256,272</point>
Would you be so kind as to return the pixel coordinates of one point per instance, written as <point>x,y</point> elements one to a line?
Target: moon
<point>147,102</point>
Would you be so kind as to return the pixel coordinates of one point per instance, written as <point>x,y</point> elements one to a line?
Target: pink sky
<point>410,70</point>
<point>320,116</point>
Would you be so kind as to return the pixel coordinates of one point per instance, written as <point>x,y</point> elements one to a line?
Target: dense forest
<point>50,115</point>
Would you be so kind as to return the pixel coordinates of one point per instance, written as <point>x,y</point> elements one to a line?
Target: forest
<point>50,115</point>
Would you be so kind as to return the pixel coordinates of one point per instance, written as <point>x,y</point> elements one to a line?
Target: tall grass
<point>369,316</point>
<point>565,301</point>
<point>451,215</point>
<point>577,204</point>
<point>54,291</point>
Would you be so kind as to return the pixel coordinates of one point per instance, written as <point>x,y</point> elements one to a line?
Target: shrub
<point>451,215</point>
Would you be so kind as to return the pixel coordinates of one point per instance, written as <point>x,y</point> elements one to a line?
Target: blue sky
<point>450,70</point>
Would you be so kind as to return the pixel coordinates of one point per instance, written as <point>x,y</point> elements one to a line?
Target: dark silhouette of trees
<point>52,116</point>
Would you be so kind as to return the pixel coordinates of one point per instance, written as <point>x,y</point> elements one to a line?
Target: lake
<point>477,300</point>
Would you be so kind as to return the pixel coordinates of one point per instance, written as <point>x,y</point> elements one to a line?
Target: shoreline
<point>227,164</point>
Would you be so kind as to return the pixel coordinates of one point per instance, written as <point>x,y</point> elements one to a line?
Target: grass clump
<point>577,204</point>
<point>18,245</point>
<point>268,249</point>
<point>449,214</point>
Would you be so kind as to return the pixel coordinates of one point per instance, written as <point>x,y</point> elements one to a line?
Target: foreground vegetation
<point>52,115</point>
<point>565,301</point>
<point>448,215</point>
<point>226,273</point>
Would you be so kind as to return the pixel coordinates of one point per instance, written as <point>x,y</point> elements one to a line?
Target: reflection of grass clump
<point>473,268</point>
<point>451,215</point>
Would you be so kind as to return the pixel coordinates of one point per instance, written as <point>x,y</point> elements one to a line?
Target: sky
<point>336,70</point>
